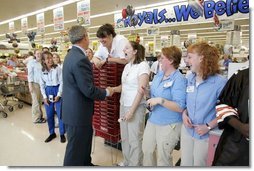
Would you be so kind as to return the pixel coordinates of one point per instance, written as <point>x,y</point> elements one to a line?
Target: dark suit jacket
<point>79,91</point>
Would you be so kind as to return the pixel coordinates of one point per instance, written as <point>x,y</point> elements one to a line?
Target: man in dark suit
<point>79,94</point>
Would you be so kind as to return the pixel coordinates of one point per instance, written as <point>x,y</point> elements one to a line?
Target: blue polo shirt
<point>173,89</point>
<point>201,100</point>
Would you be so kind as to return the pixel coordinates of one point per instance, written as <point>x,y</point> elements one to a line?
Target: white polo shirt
<point>156,67</point>
<point>130,77</point>
<point>118,44</point>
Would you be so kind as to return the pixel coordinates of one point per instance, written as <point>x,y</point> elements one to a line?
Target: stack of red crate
<point>106,113</point>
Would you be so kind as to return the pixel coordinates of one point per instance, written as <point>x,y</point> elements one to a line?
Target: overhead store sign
<point>58,15</point>
<point>83,12</point>
<point>153,31</point>
<point>183,12</point>
<point>11,27</point>
<point>40,23</point>
<point>227,25</point>
<point>24,25</point>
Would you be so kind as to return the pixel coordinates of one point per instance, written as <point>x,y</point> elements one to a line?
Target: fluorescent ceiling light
<point>67,2</point>
<point>111,13</point>
<point>186,30</point>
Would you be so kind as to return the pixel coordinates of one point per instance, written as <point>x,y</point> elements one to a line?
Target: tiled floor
<point>22,144</point>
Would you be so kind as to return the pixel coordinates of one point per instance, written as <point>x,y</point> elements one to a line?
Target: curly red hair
<point>209,64</point>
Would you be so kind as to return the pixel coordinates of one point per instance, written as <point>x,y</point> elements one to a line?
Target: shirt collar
<point>113,45</point>
<point>210,79</point>
<point>83,50</point>
<point>171,76</point>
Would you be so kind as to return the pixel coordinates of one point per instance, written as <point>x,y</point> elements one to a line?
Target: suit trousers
<point>78,149</point>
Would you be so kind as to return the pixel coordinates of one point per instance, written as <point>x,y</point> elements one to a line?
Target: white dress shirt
<point>53,77</point>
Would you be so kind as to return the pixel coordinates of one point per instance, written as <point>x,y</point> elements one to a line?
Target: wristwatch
<point>208,126</point>
<point>162,101</point>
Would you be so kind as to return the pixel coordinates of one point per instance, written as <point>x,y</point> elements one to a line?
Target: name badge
<point>190,89</point>
<point>168,84</point>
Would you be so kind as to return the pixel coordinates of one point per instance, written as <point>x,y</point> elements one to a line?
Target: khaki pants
<point>131,135</point>
<point>162,137</point>
<point>36,102</point>
<point>193,151</point>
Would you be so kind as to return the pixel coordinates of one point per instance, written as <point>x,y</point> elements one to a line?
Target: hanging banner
<point>227,25</point>
<point>40,23</point>
<point>180,13</point>
<point>83,12</point>
<point>153,31</point>
<point>58,17</point>
<point>11,27</point>
<point>24,25</point>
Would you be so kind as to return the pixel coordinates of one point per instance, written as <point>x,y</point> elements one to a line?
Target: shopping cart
<point>2,112</point>
<point>8,89</point>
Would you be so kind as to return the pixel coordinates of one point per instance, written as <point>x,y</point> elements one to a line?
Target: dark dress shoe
<point>51,137</point>
<point>91,164</point>
<point>62,139</point>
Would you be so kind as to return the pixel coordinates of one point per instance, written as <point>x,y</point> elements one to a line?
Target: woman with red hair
<point>203,89</point>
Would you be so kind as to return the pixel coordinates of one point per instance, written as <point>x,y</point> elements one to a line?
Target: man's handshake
<point>110,91</point>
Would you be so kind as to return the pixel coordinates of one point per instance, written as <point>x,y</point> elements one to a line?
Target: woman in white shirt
<point>132,103</point>
<point>111,47</point>
<point>57,60</point>
<point>89,53</point>
<point>51,84</point>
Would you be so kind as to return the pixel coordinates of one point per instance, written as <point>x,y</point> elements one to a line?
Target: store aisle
<point>22,143</point>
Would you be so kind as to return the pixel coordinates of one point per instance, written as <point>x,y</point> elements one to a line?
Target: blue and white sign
<point>183,13</point>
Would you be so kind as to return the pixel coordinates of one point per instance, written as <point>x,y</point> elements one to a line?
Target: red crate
<point>111,102</point>
<point>106,113</point>
<point>107,127</point>
<point>111,138</point>
<point>96,125</point>
<point>112,122</point>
